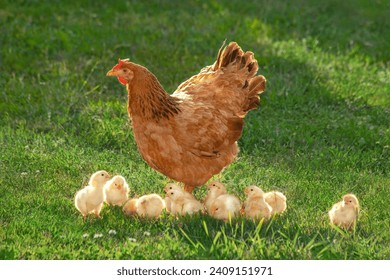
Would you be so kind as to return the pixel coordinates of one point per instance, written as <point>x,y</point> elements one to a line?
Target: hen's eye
<point>125,70</point>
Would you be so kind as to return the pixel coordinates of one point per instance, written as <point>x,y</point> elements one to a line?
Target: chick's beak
<point>112,73</point>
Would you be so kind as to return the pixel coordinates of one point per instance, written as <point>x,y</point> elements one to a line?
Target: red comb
<point>120,62</point>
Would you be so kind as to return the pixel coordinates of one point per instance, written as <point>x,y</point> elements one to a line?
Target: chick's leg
<point>188,188</point>
<point>97,210</point>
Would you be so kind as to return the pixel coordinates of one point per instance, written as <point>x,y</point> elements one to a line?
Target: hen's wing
<point>215,101</point>
<point>231,81</point>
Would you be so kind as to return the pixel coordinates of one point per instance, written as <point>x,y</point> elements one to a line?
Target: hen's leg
<point>188,188</point>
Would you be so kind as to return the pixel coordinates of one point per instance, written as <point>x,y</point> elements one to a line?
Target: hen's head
<point>123,70</point>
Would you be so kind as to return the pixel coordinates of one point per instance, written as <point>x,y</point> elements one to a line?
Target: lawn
<point>322,129</point>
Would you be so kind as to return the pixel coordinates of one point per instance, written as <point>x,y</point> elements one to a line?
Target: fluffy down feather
<point>277,201</point>
<point>116,190</point>
<point>130,207</point>
<point>344,213</point>
<point>225,207</point>
<point>170,187</point>
<point>147,206</point>
<point>215,189</point>
<point>91,198</point>
<point>255,206</point>
<point>181,204</point>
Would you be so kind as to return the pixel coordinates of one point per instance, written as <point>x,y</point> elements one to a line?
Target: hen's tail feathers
<point>233,55</point>
<point>256,86</point>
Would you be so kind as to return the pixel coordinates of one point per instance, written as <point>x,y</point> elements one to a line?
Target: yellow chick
<point>255,206</point>
<point>214,190</point>
<point>147,206</point>
<point>182,204</point>
<point>277,201</point>
<point>150,206</point>
<point>225,206</point>
<point>130,207</point>
<point>91,198</point>
<point>172,186</point>
<point>116,190</point>
<point>344,213</point>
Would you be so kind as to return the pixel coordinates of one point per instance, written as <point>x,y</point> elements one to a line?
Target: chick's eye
<point>213,185</point>
<point>251,190</point>
<point>102,174</point>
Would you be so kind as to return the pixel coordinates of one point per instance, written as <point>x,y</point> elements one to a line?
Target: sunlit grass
<point>322,128</point>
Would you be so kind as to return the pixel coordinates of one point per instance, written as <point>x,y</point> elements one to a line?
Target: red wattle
<point>122,80</point>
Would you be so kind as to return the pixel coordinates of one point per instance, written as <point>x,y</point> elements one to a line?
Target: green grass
<point>322,129</point>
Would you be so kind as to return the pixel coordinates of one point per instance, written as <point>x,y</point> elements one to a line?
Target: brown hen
<point>192,134</point>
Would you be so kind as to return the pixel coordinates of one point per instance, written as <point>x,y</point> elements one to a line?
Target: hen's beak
<point>112,73</point>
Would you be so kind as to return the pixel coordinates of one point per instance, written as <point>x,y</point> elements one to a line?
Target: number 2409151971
<point>224,270</point>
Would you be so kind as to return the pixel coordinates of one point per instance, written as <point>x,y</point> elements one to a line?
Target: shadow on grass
<point>339,26</point>
<point>300,116</point>
<point>247,239</point>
